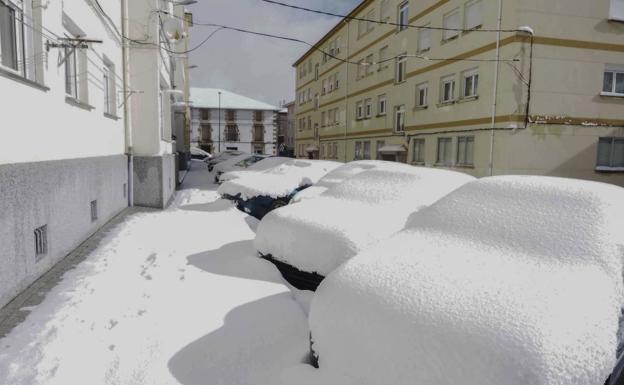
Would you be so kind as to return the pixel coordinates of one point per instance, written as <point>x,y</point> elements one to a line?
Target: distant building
<point>286,130</point>
<point>437,95</point>
<point>223,120</point>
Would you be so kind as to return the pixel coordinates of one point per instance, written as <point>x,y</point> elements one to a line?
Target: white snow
<point>169,297</point>
<point>260,166</point>
<point>279,181</point>
<point>527,29</point>
<point>319,234</point>
<point>230,163</point>
<point>508,280</point>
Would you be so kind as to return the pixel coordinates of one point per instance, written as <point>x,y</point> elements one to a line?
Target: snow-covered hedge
<point>317,235</point>
<point>278,181</point>
<point>508,280</point>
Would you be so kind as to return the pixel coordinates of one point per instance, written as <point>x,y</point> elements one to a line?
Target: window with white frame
<point>445,151</point>
<point>316,72</point>
<point>403,16</point>
<point>613,81</point>
<point>611,152</point>
<point>369,64</point>
<point>383,57</point>
<point>361,69</point>
<point>316,101</point>
<point>366,147</point>
<point>421,95</point>
<point>616,11</point>
<point>382,104</point>
<point>401,68</point>
<point>371,24</point>
<point>424,39</point>
<point>323,119</point>
<point>473,16</point>
<point>359,110</point>
<point>470,83</point>
<point>368,103</point>
<point>465,150</point>
<point>110,93</point>
<point>384,10</point>
<point>71,72</point>
<point>335,150</point>
<point>337,45</point>
<point>378,145</point>
<point>418,151</point>
<point>358,151</point>
<point>336,80</point>
<point>309,123</point>
<point>451,24</point>
<point>322,151</point>
<point>362,25</point>
<point>12,37</point>
<point>331,116</point>
<point>447,89</point>
<point>399,118</point>
<point>330,83</point>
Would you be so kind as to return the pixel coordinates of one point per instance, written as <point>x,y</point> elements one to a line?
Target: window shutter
<point>423,39</point>
<point>473,14</point>
<point>451,21</point>
<point>617,10</point>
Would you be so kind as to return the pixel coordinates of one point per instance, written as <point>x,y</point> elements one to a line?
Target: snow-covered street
<point>168,297</point>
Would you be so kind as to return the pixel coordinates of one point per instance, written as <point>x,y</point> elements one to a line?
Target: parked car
<point>259,193</point>
<point>508,280</point>
<point>240,162</point>
<point>225,155</point>
<point>262,165</point>
<point>199,154</point>
<point>309,239</point>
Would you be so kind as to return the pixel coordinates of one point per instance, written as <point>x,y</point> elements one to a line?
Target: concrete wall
<point>56,194</point>
<point>154,180</point>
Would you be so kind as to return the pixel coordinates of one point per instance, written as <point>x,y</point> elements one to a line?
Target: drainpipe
<point>126,95</point>
<point>344,141</point>
<point>495,90</point>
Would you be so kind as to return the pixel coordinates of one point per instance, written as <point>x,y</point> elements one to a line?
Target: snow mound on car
<point>260,166</point>
<point>318,235</point>
<point>508,280</point>
<point>278,181</point>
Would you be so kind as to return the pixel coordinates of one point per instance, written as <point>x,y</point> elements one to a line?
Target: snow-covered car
<point>240,162</point>
<point>199,154</point>
<point>309,239</point>
<point>222,156</point>
<point>259,193</point>
<point>262,165</point>
<point>508,280</point>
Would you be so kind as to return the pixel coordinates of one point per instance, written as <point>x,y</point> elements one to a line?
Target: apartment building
<point>487,87</point>
<point>223,120</point>
<point>69,87</point>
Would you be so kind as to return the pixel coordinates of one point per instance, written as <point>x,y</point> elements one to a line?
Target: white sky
<point>254,66</point>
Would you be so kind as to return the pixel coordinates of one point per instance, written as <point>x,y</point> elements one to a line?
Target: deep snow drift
<point>508,280</point>
<point>279,181</point>
<point>260,166</point>
<point>319,234</point>
<point>171,297</point>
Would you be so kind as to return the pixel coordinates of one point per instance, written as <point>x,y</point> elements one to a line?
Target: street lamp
<point>219,121</point>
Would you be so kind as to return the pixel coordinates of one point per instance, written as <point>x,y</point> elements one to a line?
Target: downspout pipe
<point>126,94</point>
<point>495,88</point>
<point>344,141</point>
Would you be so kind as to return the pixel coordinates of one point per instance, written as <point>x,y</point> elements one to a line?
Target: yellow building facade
<point>451,89</point>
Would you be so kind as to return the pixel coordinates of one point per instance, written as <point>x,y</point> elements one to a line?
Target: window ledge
<point>380,115</point>
<point>77,103</point>
<point>460,165</point>
<point>18,78</point>
<point>609,169</point>
<point>424,50</point>
<point>442,165</point>
<point>417,163</point>
<point>611,95</point>
<point>616,19</point>
<point>420,108</point>
<point>466,32</point>
<point>450,39</point>
<point>110,116</point>
<point>447,103</point>
<point>468,99</point>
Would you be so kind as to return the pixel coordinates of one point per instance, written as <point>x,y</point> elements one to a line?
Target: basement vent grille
<point>41,242</point>
<point>125,190</point>
<point>94,211</point>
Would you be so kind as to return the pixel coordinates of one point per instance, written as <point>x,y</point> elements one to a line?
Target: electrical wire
<point>347,17</point>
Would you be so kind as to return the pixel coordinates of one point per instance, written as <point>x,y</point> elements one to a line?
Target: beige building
<point>457,93</point>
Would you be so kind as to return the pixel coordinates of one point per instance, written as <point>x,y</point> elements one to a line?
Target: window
<point>378,145</point>
<point>359,110</point>
<point>331,117</point>
<point>369,64</point>
<point>110,93</point>
<point>447,92</point>
<point>470,83</point>
<point>382,104</point>
<point>71,73</point>
<point>473,14</point>
<point>258,116</point>
<point>424,39</point>
<point>230,115</point>
<point>617,10</point>
<point>94,211</point>
<point>383,57</point>
<point>360,69</point>
<point>11,37</point>
<point>361,27</point>
<point>336,81</point>
<point>258,130</point>
<point>465,150</point>
<point>323,119</point>
<point>205,114</point>
<point>421,95</point>
<point>451,24</point>
<point>445,151</point>
<point>370,16</point>
<point>611,152</point>
<point>401,68</point>
<point>358,151</point>
<point>41,242</point>
<point>322,152</point>
<point>316,72</point>
<point>613,82</point>
<point>366,150</point>
<point>369,107</point>
<point>309,123</point>
<point>403,18</point>
<point>384,10</point>
<point>335,150</point>
<point>231,133</point>
<point>399,118</point>
<point>418,153</point>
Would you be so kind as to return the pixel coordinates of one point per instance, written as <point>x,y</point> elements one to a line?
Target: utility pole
<point>219,121</point>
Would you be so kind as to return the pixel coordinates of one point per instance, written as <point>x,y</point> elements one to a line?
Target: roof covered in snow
<point>209,98</point>
<point>507,280</point>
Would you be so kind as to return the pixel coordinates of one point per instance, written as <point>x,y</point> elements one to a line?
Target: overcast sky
<point>254,66</point>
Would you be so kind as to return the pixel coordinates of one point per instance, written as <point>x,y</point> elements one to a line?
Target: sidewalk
<point>158,297</point>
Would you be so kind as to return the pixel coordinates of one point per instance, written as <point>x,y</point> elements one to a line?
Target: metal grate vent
<point>125,190</point>
<point>94,211</point>
<point>41,242</point>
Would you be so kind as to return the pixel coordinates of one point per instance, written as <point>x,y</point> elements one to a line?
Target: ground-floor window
<point>611,152</point>
<point>378,146</point>
<point>358,151</point>
<point>465,150</point>
<point>418,151</point>
<point>445,153</point>
<point>366,150</point>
